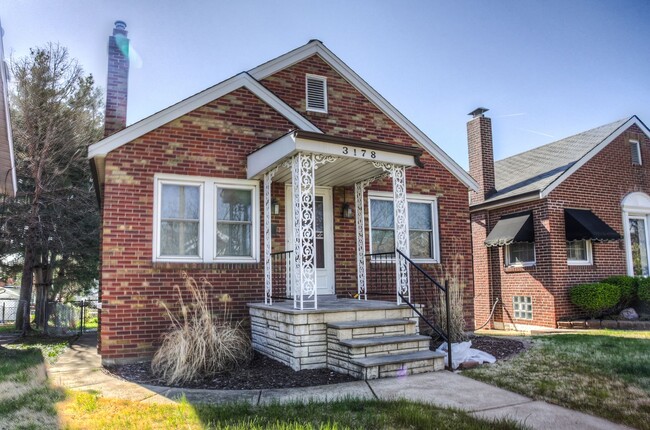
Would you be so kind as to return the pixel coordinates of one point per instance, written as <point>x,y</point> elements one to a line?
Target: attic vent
<point>636,152</point>
<point>316,93</point>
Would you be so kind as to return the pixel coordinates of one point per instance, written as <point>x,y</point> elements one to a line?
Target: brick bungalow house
<point>569,212</point>
<point>207,186</point>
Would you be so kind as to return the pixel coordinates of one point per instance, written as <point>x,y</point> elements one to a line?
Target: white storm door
<point>324,237</point>
<point>638,246</point>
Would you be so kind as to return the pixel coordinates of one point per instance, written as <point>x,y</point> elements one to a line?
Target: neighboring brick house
<point>569,212</point>
<point>189,189</point>
<point>8,182</point>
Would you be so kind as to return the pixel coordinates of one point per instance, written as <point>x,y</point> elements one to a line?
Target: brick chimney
<point>117,81</point>
<point>481,157</point>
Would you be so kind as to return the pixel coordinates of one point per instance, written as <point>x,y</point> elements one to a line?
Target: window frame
<point>509,263</point>
<point>410,198</point>
<point>588,251</point>
<point>323,79</point>
<point>207,218</point>
<point>635,145</point>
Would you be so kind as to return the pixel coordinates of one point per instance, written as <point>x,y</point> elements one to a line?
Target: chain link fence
<point>62,318</point>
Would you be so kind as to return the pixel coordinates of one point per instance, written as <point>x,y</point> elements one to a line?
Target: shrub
<point>595,298</point>
<point>644,289</point>
<point>201,343</point>
<point>628,287</point>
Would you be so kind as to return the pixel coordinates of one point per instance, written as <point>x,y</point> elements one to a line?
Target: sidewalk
<point>79,368</point>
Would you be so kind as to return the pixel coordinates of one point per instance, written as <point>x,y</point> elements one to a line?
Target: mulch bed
<point>501,348</point>
<point>265,373</point>
<point>262,373</point>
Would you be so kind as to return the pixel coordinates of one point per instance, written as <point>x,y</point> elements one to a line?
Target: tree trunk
<point>22,316</point>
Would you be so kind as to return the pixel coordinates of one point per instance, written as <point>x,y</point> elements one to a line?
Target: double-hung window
<point>205,219</point>
<point>422,226</point>
<point>578,252</point>
<point>520,254</point>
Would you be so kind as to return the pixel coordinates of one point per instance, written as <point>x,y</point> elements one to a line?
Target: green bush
<point>644,289</point>
<point>596,298</point>
<point>628,287</point>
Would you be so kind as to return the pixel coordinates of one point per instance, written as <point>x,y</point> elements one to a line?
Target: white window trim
<point>319,78</point>
<point>411,198</point>
<point>590,257</point>
<point>523,263</point>
<point>637,147</point>
<point>208,218</point>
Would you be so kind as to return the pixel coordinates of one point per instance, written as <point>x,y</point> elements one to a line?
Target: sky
<point>545,69</point>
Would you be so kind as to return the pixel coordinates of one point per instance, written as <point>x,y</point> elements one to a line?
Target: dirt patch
<point>262,373</point>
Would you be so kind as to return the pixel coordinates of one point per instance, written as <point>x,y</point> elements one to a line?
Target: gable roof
<point>250,80</point>
<point>539,171</point>
<point>316,47</point>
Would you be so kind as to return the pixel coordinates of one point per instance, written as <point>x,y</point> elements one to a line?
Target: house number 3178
<point>358,152</point>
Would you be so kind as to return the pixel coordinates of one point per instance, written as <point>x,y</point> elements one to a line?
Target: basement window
<point>636,152</point>
<point>316,89</point>
<point>522,307</point>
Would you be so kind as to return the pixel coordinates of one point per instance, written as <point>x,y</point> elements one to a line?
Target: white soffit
<point>352,164</point>
<point>316,47</point>
<point>634,120</point>
<point>103,147</point>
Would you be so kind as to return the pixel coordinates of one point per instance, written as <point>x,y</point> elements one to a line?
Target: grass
<point>88,410</point>
<point>600,372</point>
<point>26,399</point>
<point>8,328</point>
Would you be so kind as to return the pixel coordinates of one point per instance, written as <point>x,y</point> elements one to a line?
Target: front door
<point>324,237</point>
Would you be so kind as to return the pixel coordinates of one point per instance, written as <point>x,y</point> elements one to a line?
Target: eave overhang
<point>355,160</point>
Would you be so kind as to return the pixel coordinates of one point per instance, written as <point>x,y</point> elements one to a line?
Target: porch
<point>301,322</point>
<point>367,339</point>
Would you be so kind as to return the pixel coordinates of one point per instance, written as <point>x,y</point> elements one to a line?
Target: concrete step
<point>371,346</point>
<point>371,328</point>
<point>386,366</point>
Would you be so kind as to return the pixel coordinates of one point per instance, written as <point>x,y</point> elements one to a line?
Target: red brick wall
<point>600,186</point>
<point>214,140</point>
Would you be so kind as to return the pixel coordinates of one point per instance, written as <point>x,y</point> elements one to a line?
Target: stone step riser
<point>387,370</point>
<point>368,332</point>
<point>366,351</point>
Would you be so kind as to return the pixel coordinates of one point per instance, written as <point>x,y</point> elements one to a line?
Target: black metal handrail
<point>380,273</point>
<point>281,270</point>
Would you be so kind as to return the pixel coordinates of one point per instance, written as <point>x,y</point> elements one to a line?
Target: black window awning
<point>582,224</point>
<point>512,228</point>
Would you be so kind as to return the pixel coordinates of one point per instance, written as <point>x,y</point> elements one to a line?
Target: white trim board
<point>317,47</point>
<point>634,120</point>
<point>179,109</point>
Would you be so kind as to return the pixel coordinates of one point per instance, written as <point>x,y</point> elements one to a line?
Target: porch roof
<point>354,158</point>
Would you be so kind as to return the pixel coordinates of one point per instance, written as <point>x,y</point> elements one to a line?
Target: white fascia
<point>103,147</point>
<point>634,120</point>
<point>316,47</point>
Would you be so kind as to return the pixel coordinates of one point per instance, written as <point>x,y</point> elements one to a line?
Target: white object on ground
<point>463,351</point>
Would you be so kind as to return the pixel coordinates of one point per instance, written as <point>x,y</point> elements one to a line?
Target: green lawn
<point>28,401</point>
<point>601,372</point>
<point>88,410</point>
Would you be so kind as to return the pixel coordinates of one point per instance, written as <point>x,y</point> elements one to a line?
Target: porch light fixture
<point>346,211</point>
<point>275,207</point>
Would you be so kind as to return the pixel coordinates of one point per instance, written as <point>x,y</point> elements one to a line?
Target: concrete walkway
<point>79,368</point>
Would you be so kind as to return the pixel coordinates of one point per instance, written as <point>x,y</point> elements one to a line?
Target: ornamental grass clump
<point>596,298</point>
<point>201,343</point>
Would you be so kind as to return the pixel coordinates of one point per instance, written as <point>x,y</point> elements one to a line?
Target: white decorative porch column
<point>400,210</point>
<point>400,215</point>
<point>268,267</point>
<point>362,290</point>
<point>304,228</point>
